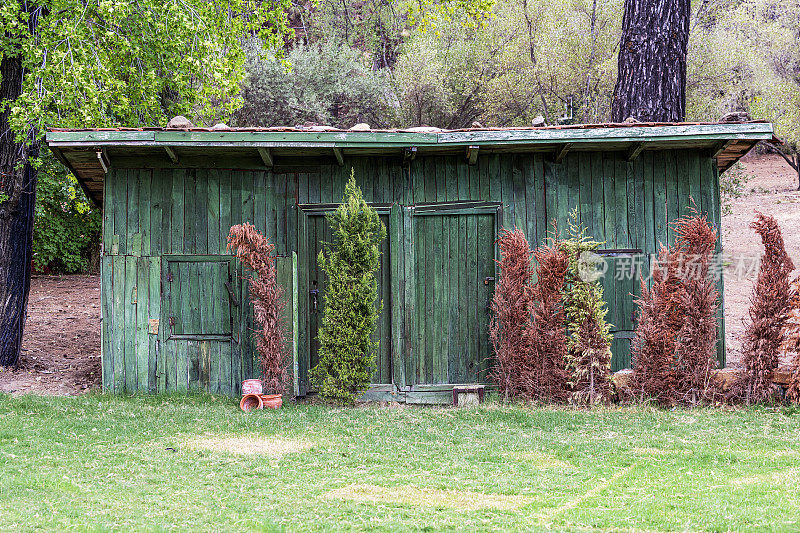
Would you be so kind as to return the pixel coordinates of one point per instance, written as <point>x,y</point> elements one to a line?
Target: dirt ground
<point>61,348</point>
<point>772,190</point>
<point>62,339</point>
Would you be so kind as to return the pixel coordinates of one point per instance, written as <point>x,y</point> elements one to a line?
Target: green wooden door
<point>620,288</point>
<point>317,232</point>
<point>454,268</point>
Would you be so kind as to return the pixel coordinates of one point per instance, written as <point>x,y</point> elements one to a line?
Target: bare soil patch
<point>415,496</point>
<point>773,191</point>
<point>274,447</point>
<point>61,347</point>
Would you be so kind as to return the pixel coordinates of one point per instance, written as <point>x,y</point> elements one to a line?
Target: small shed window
<point>199,294</point>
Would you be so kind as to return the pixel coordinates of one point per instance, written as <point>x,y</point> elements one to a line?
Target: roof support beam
<point>472,154</point>
<point>104,162</point>
<point>634,151</point>
<point>562,152</point>
<point>266,156</point>
<point>339,156</point>
<point>171,153</point>
<point>720,147</point>
<point>409,154</point>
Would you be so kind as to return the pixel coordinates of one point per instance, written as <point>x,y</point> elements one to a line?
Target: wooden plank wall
<point>150,213</point>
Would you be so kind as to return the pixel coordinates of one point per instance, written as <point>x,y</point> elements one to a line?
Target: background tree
<point>71,63</point>
<point>651,82</point>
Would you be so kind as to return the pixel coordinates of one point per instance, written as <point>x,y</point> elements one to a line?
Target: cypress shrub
<point>510,314</point>
<point>674,351</point>
<point>545,333</point>
<point>350,262</point>
<point>768,313</point>
<point>257,254</point>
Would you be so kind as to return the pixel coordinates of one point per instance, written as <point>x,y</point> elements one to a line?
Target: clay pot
<point>272,401</point>
<point>252,386</point>
<point>251,402</point>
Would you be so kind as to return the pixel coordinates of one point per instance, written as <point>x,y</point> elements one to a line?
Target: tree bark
<point>651,83</point>
<point>18,195</point>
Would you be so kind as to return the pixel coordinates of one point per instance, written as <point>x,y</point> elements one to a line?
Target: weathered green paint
<point>442,216</point>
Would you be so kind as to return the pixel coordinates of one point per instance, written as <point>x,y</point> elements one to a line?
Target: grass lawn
<point>101,462</point>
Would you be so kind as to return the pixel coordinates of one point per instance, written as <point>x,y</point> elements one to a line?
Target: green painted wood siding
<point>153,213</point>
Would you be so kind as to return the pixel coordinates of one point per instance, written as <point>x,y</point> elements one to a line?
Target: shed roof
<point>90,152</point>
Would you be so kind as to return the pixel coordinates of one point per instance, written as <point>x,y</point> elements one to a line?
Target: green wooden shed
<point>175,307</point>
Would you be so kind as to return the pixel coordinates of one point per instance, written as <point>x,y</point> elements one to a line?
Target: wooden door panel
<point>454,272</point>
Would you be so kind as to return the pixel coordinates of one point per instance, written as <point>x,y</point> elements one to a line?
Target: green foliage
<point>327,84</point>
<point>588,334</point>
<point>347,351</point>
<point>115,62</point>
<point>731,185</point>
<point>66,229</point>
<point>744,55</point>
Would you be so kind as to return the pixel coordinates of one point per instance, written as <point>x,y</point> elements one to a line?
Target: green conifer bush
<point>588,333</point>
<point>346,347</point>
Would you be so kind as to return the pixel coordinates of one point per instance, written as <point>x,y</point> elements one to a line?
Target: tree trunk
<point>17,198</point>
<point>651,83</point>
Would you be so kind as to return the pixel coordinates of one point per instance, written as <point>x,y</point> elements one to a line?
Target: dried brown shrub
<point>674,350</point>
<point>768,314</point>
<point>696,350</point>
<point>256,253</point>
<point>791,340</point>
<point>545,334</point>
<point>510,310</point>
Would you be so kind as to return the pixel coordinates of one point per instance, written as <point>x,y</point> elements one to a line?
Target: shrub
<point>545,333</point>
<point>657,328</point>
<point>256,252</point>
<point>347,351</point>
<point>674,350</point>
<point>768,313</point>
<point>325,84</point>
<point>66,228</point>
<point>732,184</point>
<point>588,333</point>
<point>510,310</point>
<point>791,340</point>
<point>696,350</point>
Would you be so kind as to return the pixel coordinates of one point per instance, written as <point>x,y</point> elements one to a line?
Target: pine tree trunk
<point>651,83</point>
<point>18,191</point>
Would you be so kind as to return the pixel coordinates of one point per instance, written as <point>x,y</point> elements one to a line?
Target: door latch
<point>314,297</point>
<point>487,280</point>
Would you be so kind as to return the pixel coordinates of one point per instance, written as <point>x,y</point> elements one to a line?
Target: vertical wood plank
<point>216,244</point>
<point>129,302</point>
<point>119,209</point>
<point>154,312</point>
<point>200,218</point>
<point>108,331</point>
<point>177,232</point>
<point>118,323</point>
<point>142,310</point>
<point>145,208</point>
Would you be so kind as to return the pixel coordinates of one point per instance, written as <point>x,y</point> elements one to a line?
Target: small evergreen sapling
<point>347,351</point>
<point>257,254</point>
<point>588,333</point>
